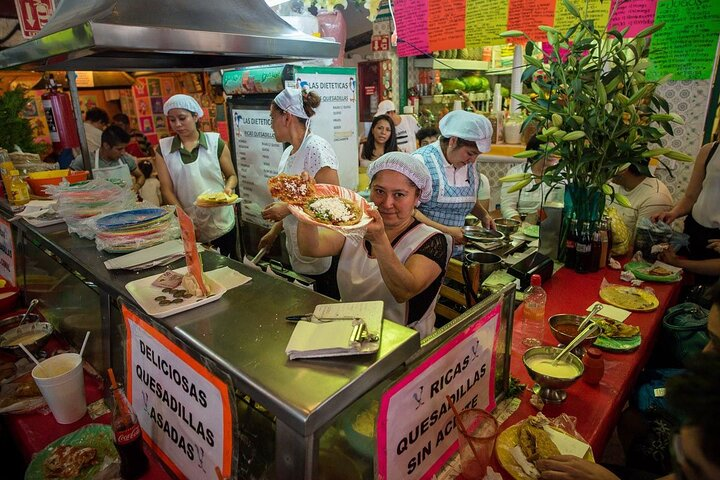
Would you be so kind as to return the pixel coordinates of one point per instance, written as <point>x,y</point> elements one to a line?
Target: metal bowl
<point>566,336</point>
<point>37,332</point>
<point>507,226</point>
<point>552,389</point>
<point>479,233</point>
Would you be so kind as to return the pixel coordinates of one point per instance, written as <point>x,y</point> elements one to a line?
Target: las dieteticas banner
<point>422,437</point>
<point>182,407</point>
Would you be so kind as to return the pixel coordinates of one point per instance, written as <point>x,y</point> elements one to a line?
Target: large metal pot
<point>477,266</point>
<point>33,335</point>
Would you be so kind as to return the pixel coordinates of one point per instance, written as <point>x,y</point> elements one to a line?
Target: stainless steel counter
<point>245,334</point>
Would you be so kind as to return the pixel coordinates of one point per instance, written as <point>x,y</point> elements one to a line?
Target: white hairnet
<point>469,126</point>
<point>412,167</point>
<point>291,100</point>
<point>384,107</point>
<point>185,102</point>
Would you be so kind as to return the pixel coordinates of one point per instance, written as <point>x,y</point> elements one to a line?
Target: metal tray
<point>479,233</point>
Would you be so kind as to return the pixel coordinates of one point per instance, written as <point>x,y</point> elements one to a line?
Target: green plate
<point>95,435</point>
<point>531,231</point>
<point>639,269</point>
<point>620,344</point>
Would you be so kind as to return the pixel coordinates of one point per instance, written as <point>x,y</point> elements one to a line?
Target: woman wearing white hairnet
<point>463,136</point>
<point>401,261</point>
<point>191,163</point>
<point>290,114</point>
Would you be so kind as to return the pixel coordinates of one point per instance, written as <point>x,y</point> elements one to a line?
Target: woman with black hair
<point>381,140</point>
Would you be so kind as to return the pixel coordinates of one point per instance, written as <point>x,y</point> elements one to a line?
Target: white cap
<point>291,100</point>
<point>469,126</point>
<point>410,166</point>
<point>186,102</point>
<point>384,107</point>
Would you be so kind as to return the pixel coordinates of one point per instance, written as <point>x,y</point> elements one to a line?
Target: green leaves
<point>576,135</point>
<point>516,177</point>
<point>679,156</point>
<point>519,185</point>
<point>512,34</point>
<point>649,30</point>
<point>526,154</point>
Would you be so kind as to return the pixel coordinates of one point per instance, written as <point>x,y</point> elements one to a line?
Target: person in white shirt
<point>150,191</point>
<point>96,120</point>
<point>647,196</point>
<point>526,202</point>
<point>405,126</point>
<point>290,114</point>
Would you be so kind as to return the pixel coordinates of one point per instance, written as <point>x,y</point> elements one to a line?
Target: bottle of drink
<point>596,249</point>
<point>128,440</point>
<point>604,240</point>
<point>534,313</point>
<point>583,249</point>
<point>610,239</point>
<point>20,195</point>
<point>570,244</point>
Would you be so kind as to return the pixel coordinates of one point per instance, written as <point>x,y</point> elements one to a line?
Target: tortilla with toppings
<point>291,189</point>
<point>216,199</point>
<point>67,461</point>
<point>333,211</point>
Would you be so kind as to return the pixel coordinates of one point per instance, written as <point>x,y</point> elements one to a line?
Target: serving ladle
<point>576,341</point>
<point>32,305</point>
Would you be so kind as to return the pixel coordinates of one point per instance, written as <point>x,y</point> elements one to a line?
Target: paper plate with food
<point>630,298</point>
<point>617,336</point>
<point>518,447</point>
<point>216,199</point>
<point>84,454</point>
<point>173,291</point>
<point>656,272</point>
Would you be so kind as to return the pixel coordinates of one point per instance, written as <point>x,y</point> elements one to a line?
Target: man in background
<point>139,145</point>
<point>405,126</point>
<point>96,120</point>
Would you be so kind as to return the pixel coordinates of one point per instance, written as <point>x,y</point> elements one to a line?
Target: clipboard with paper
<point>338,329</point>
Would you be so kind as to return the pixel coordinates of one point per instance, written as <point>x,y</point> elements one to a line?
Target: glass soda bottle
<point>570,244</point>
<point>126,429</point>
<point>534,313</point>
<point>583,249</point>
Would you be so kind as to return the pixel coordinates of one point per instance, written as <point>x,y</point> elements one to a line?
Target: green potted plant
<point>593,108</point>
<point>16,130</point>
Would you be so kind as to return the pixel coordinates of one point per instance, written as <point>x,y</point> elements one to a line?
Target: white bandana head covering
<point>469,126</point>
<point>410,166</point>
<point>384,107</point>
<point>186,102</point>
<point>291,100</point>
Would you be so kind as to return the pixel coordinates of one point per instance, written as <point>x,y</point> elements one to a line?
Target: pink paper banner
<point>638,15</point>
<point>411,19</point>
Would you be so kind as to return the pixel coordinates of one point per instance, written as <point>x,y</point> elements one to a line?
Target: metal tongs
<point>360,331</point>
<point>310,317</point>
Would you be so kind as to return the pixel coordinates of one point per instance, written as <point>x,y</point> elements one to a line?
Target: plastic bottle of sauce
<point>534,313</point>
<point>594,366</point>
<point>18,189</point>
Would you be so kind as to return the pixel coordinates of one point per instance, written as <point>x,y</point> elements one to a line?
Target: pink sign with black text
<point>415,422</point>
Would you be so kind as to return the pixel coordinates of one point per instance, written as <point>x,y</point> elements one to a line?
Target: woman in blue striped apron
<point>463,136</point>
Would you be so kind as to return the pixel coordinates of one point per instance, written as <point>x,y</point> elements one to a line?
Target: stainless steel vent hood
<point>163,35</point>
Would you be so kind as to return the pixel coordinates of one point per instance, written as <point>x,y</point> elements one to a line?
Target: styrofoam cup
<point>62,384</point>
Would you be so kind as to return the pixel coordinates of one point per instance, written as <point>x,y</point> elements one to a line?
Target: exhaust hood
<point>163,35</point>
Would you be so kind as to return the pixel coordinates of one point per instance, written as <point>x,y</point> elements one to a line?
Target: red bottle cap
<point>594,352</point>
<point>535,280</point>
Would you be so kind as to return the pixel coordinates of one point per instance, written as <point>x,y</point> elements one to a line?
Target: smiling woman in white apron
<point>463,136</point>
<point>290,113</point>
<point>192,163</point>
<point>111,162</point>
<point>400,261</point>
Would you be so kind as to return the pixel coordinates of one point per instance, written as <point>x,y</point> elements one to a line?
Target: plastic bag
<point>80,202</point>
<point>620,234</point>
<point>332,27</point>
<point>650,234</point>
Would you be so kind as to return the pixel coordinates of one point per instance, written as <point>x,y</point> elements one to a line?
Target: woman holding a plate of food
<point>290,113</point>
<point>400,260</point>
<point>192,164</point>
<point>463,136</point>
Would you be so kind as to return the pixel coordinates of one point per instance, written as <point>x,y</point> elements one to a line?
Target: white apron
<point>119,172</point>
<point>193,179</point>
<point>359,278</point>
<point>300,263</point>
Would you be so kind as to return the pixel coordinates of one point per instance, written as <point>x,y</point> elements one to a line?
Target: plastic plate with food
<point>630,298</point>
<point>519,446</point>
<point>651,273</point>
<point>617,336</point>
<point>334,207</point>
<point>216,199</point>
<point>84,454</point>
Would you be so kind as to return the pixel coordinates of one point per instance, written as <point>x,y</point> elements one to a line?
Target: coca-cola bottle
<point>128,440</point>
